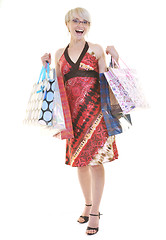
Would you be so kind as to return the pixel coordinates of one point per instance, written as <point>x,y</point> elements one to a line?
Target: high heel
<point>90,228</point>
<point>86,218</point>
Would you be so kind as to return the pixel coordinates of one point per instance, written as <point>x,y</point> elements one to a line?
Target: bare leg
<point>84,175</point>
<point>98,180</point>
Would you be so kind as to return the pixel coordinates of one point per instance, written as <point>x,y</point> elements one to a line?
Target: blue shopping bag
<point>113,121</point>
<point>44,106</point>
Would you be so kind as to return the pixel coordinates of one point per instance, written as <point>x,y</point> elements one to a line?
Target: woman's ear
<point>67,25</point>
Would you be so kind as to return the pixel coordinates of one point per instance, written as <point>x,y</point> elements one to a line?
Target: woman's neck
<point>77,42</point>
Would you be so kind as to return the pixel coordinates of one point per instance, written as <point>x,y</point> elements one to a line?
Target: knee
<point>97,168</point>
<point>83,169</point>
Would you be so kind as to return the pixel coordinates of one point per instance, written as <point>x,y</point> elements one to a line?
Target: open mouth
<point>80,32</point>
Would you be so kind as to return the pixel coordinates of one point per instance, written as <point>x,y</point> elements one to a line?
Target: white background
<point>40,197</point>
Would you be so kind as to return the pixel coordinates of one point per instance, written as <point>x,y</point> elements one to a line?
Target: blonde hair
<point>82,12</point>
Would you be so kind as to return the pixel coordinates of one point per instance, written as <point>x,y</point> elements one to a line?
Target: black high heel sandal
<point>86,218</point>
<point>90,228</point>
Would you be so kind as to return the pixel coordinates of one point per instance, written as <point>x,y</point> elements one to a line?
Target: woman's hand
<point>112,51</point>
<point>46,57</point>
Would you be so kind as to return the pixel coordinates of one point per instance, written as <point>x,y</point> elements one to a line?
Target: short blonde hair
<point>82,12</point>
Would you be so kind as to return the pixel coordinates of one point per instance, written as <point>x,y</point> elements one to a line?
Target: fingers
<point>112,51</point>
<point>108,49</point>
<point>46,57</point>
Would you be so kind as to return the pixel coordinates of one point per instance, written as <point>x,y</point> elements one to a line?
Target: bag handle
<point>43,72</point>
<point>113,62</point>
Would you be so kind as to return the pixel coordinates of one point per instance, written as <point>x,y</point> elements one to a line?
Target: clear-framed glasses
<point>77,22</point>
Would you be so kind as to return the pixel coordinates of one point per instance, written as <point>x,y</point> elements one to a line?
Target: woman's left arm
<point>112,51</point>
<point>101,60</point>
<point>101,57</point>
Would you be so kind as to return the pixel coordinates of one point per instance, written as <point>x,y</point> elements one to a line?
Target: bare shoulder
<point>97,49</point>
<point>58,54</point>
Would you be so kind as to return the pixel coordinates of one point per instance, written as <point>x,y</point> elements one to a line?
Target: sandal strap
<point>86,218</point>
<point>96,215</point>
<point>90,228</point>
<point>88,205</point>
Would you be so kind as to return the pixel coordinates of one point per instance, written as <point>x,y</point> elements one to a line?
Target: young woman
<point>80,64</point>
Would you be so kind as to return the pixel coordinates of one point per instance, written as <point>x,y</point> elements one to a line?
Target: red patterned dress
<point>91,144</point>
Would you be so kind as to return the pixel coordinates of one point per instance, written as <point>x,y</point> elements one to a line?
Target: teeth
<point>81,31</point>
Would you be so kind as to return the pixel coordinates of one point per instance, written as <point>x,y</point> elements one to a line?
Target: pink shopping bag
<point>119,92</point>
<point>126,88</point>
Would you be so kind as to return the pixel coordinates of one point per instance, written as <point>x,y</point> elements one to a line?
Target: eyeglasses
<point>77,21</point>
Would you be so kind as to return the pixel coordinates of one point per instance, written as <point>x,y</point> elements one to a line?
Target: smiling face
<point>78,27</point>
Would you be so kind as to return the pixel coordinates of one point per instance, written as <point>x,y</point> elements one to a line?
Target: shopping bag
<point>57,114</point>
<point>68,132</point>
<point>122,96</point>
<point>115,107</point>
<point>115,123</point>
<point>59,111</point>
<point>124,83</point>
<point>51,114</point>
<point>46,108</point>
<point>46,113</point>
<point>36,99</point>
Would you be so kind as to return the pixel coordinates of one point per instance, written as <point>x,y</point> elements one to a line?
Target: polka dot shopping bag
<point>45,107</point>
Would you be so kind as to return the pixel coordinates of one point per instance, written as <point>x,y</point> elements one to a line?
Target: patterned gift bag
<point>68,132</point>
<point>48,105</point>
<point>126,87</point>
<point>36,99</point>
<point>115,123</point>
<point>51,114</point>
<point>119,92</point>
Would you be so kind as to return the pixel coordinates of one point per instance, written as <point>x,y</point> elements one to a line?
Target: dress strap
<point>82,55</point>
<point>77,64</point>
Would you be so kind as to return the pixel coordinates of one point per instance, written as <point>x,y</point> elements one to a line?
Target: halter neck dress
<point>91,144</point>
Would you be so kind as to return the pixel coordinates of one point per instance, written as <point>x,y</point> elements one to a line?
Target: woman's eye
<point>75,20</point>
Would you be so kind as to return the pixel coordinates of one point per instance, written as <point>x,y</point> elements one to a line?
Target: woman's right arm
<point>58,55</point>
<point>47,58</point>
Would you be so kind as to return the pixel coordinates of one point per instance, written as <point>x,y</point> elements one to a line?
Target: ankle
<point>94,210</point>
<point>88,204</point>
